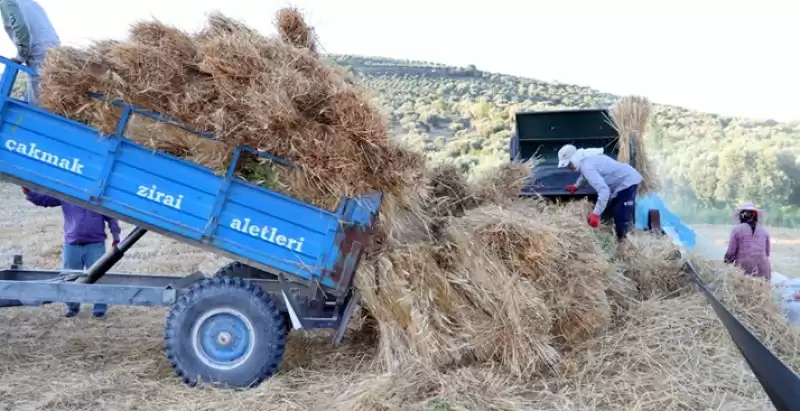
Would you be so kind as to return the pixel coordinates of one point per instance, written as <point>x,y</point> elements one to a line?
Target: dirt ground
<point>712,240</point>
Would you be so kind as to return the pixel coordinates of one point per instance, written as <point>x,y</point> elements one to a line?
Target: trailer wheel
<point>241,270</point>
<point>238,269</point>
<point>224,331</point>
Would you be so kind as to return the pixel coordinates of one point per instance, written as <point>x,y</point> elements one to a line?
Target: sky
<point>725,57</point>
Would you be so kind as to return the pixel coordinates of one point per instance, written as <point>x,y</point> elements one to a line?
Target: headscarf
<point>750,218</point>
<point>748,214</point>
<point>584,153</point>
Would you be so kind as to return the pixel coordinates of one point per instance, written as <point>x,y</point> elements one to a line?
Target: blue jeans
<point>81,257</point>
<point>623,207</point>
<point>31,87</point>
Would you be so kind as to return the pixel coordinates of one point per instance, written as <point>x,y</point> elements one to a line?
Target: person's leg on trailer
<point>32,84</point>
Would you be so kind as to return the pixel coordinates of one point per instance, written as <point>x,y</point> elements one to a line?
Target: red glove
<point>114,243</point>
<point>25,190</point>
<point>594,220</point>
<point>572,189</point>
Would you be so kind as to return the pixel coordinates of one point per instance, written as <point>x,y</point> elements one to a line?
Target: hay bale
<point>631,117</point>
<point>180,143</point>
<point>476,314</point>
<point>450,193</point>
<point>503,183</point>
<point>169,39</point>
<point>654,264</point>
<point>293,29</point>
<point>553,250</point>
<point>451,291</point>
<point>247,89</point>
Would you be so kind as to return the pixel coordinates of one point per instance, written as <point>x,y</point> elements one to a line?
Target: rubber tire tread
<point>242,270</point>
<point>239,294</point>
<point>239,269</point>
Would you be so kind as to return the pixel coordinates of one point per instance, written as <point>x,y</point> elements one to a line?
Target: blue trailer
<point>294,262</point>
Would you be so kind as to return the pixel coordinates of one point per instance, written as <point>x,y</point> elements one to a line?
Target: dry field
<point>712,240</point>
<point>478,307</point>
<point>49,362</point>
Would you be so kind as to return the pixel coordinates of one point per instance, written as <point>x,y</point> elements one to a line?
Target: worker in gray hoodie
<point>29,28</point>
<point>616,184</point>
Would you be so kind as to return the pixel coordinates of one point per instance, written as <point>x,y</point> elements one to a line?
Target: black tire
<point>237,269</point>
<point>240,351</point>
<point>241,270</point>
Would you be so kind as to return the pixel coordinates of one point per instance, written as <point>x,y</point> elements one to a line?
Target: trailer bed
<point>176,198</point>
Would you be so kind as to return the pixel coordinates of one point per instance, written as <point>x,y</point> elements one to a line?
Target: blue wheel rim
<point>223,338</point>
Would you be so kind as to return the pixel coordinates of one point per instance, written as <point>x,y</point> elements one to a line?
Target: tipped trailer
<point>294,262</point>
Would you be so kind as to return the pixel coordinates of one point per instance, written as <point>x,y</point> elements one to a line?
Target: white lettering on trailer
<point>267,233</point>
<point>73,165</point>
<point>153,194</point>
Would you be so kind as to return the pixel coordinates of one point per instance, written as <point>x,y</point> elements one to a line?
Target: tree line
<point>708,163</point>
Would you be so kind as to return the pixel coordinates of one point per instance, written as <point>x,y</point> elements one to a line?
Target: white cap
<point>565,153</point>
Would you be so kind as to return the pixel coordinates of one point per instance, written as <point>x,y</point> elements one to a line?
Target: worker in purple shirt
<point>749,244</point>
<point>84,239</point>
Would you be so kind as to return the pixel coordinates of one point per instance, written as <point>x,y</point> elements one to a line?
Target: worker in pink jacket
<point>749,245</point>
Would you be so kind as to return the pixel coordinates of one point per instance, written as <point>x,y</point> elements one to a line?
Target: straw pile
<point>473,276</point>
<point>654,265</point>
<point>754,302</point>
<point>523,288</point>
<point>665,354</point>
<point>273,94</point>
<point>658,354</point>
<point>522,313</point>
<point>631,118</point>
<point>451,194</point>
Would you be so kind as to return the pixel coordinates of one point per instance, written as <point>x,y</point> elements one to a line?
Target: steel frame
<point>306,306</point>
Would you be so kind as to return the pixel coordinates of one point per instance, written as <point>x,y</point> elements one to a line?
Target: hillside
<point>708,162</point>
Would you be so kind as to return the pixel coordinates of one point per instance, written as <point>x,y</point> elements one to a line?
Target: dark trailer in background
<point>541,133</point>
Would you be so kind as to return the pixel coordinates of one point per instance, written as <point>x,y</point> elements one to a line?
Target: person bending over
<point>616,184</point>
